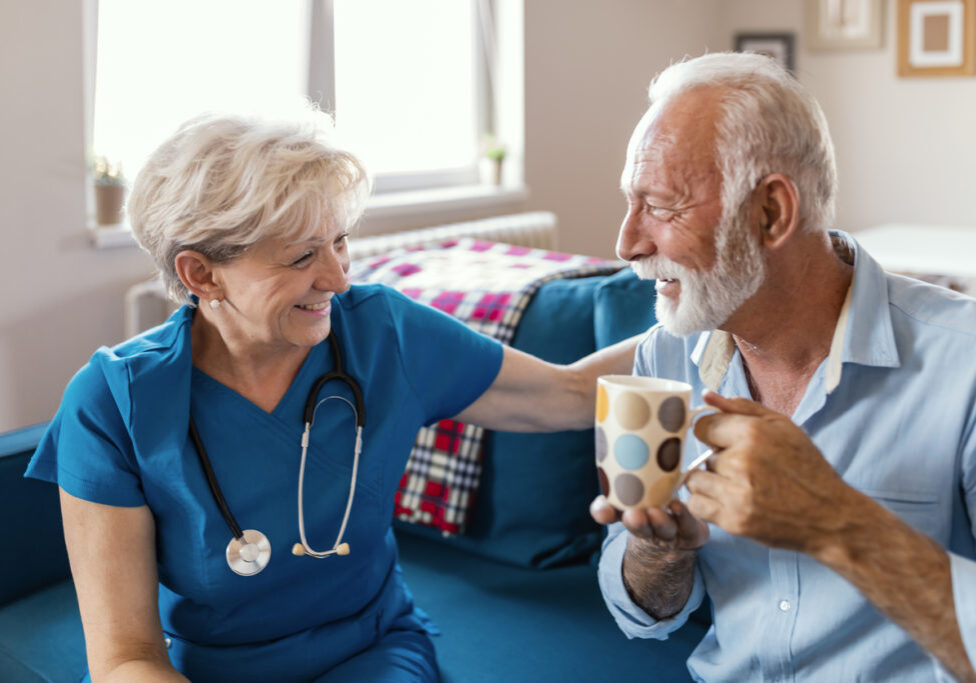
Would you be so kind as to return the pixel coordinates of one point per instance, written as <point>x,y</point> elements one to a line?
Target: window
<point>407,80</point>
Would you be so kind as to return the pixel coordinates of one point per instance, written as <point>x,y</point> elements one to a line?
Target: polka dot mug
<point>640,428</point>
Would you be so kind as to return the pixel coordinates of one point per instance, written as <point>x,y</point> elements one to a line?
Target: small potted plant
<point>494,152</point>
<point>109,191</point>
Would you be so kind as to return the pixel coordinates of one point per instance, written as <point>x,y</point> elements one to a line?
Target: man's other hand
<point>670,528</point>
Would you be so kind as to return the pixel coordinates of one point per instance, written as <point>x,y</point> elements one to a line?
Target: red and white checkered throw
<point>486,285</point>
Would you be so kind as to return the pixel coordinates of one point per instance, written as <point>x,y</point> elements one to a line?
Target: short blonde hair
<point>223,183</point>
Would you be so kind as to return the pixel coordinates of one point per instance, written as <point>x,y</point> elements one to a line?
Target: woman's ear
<point>776,209</point>
<point>197,274</point>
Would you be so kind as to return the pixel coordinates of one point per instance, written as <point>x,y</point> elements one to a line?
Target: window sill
<point>383,212</point>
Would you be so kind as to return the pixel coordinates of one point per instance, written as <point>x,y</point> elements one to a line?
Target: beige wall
<point>906,147</point>
<point>906,152</point>
<point>587,67</point>
<point>60,298</point>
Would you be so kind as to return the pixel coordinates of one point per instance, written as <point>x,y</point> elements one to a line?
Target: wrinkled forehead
<point>680,132</point>
<point>642,130</point>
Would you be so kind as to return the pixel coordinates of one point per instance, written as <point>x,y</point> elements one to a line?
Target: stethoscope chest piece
<point>250,555</point>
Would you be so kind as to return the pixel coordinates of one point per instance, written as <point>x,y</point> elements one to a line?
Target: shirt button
<point>784,605</point>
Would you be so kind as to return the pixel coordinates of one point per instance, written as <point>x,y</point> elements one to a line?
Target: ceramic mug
<point>640,428</point>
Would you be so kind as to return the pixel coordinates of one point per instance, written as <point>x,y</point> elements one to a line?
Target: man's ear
<point>776,209</point>
<point>196,271</point>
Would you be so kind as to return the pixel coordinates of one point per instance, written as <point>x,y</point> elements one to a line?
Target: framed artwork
<point>844,24</point>
<point>779,46</point>
<point>936,38</point>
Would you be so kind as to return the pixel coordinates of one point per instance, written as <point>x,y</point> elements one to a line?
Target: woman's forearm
<point>140,671</point>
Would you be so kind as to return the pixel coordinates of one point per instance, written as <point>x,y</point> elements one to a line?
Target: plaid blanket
<point>487,285</point>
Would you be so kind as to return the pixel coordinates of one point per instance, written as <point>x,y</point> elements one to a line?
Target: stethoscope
<point>249,550</point>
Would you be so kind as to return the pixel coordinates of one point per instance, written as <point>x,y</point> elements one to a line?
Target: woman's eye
<point>341,240</point>
<point>303,259</point>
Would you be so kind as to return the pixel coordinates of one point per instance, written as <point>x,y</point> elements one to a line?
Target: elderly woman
<point>205,429</point>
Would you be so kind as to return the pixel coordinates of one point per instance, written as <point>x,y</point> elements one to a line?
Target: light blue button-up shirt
<point>893,410</point>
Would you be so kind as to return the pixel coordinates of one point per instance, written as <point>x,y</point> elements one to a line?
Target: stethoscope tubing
<point>311,405</point>
<point>208,472</point>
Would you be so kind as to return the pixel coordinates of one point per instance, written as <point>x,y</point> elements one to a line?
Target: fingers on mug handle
<point>695,464</point>
<point>701,410</point>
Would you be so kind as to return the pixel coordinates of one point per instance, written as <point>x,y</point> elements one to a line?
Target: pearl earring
<point>215,304</point>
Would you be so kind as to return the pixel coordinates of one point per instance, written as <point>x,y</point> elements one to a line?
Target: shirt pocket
<point>919,509</point>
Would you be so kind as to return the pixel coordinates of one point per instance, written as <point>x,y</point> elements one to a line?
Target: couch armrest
<point>31,535</point>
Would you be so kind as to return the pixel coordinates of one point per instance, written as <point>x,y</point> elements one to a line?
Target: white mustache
<point>659,268</point>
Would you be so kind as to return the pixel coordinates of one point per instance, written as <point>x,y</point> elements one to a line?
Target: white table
<point>937,250</point>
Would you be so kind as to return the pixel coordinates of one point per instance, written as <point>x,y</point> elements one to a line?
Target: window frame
<point>321,90</point>
<point>444,194</point>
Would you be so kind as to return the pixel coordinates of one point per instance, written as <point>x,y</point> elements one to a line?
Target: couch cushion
<point>532,507</point>
<point>42,637</point>
<point>38,546</point>
<point>504,623</point>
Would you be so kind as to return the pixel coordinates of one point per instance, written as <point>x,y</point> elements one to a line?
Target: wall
<point>60,298</point>
<point>587,67</point>
<point>906,147</point>
<point>906,152</point>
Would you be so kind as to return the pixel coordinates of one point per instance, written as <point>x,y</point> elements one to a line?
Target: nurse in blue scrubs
<point>247,222</point>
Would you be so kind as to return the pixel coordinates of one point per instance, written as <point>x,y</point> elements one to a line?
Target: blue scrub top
<point>120,438</point>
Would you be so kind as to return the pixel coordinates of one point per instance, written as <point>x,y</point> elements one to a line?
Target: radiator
<point>536,229</point>
<point>146,304</point>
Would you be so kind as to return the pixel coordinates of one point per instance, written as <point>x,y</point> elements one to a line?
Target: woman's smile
<point>322,309</point>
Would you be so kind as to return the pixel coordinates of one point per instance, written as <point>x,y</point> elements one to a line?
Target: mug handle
<point>700,460</point>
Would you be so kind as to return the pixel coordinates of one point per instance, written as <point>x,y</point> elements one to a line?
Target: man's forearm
<point>658,581</point>
<point>906,575</point>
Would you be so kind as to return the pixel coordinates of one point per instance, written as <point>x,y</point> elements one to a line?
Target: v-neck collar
<point>284,408</point>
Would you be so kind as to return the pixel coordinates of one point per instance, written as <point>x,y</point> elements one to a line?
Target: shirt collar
<point>863,333</point>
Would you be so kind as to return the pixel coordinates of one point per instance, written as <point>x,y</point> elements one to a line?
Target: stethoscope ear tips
<point>298,550</point>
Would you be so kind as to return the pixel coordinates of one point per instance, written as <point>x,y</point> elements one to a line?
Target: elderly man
<point>834,527</point>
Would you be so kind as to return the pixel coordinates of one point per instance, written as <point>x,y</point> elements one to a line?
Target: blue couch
<point>515,597</point>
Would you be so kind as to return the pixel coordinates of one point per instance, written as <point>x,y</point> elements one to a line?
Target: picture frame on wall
<point>844,24</point>
<point>779,46</point>
<point>936,38</point>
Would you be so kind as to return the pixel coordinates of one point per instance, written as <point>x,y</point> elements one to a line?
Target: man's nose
<point>633,240</point>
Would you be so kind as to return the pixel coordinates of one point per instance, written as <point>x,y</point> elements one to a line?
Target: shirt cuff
<point>632,620</point>
<point>964,596</point>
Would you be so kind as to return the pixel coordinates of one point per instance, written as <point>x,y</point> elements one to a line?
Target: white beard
<point>707,299</point>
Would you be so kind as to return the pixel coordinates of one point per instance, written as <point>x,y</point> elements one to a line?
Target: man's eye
<point>660,214</point>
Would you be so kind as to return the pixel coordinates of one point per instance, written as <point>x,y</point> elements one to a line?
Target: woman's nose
<point>331,275</point>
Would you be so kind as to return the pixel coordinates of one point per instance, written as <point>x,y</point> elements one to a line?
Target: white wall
<point>906,152</point>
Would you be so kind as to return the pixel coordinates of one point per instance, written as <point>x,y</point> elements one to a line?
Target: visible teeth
<point>313,307</point>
